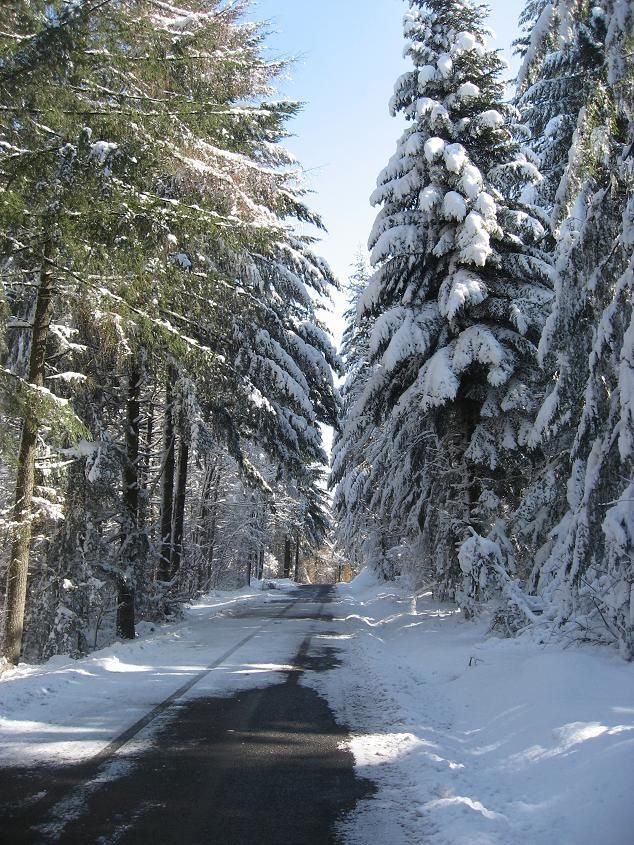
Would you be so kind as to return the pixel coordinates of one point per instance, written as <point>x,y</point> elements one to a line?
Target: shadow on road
<point>264,766</point>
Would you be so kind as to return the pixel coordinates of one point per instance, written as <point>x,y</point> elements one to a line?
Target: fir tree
<point>461,286</point>
<point>562,59</point>
<point>583,560</point>
<point>350,441</point>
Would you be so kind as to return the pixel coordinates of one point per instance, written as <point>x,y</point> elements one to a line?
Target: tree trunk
<point>297,558</point>
<point>126,581</point>
<point>200,530</point>
<point>145,469</point>
<point>25,474</point>
<point>470,412</point>
<point>287,557</point>
<point>181,492</point>
<point>167,487</point>
<point>213,527</point>
<point>144,518</point>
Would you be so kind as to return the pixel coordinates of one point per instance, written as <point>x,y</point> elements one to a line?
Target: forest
<point>167,373</point>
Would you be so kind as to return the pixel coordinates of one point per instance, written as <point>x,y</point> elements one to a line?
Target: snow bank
<point>475,740</point>
<point>66,710</point>
<point>283,584</point>
<point>364,583</point>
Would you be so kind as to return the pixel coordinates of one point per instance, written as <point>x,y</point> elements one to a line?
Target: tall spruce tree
<point>365,532</point>
<point>562,56</point>
<point>461,287</point>
<point>583,550</point>
<point>350,441</point>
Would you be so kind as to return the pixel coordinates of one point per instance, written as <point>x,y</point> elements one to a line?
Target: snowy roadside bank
<point>69,709</point>
<point>475,740</point>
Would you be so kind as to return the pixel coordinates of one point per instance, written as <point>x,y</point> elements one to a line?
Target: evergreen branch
<point>22,397</point>
<point>221,109</point>
<point>202,109</point>
<point>15,37</point>
<point>160,324</point>
<point>67,19</point>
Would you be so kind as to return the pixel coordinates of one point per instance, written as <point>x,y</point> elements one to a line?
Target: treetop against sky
<point>348,55</point>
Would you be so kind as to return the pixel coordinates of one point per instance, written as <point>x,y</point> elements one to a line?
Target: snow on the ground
<point>66,709</point>
<point>471,739</point>
<point>476,740</point>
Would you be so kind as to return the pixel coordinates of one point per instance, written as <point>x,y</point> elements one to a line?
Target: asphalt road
<point>263,766</point>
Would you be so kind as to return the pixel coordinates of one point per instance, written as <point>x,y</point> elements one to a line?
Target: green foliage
<point>146,136</point>
<point>18,399</point>
<point>141,167</point>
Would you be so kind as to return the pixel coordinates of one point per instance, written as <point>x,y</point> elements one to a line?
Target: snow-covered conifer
<point>356,526</point>
<point>562,58</point>
<point>460,289</point>
<point>160,200</point>
<point>583,555</point>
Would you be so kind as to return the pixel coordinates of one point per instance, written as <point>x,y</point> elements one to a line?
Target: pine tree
<point>350,441</point>
<point>583,553</point>
<point>562,59</point>
<point>461,286</point>
<point>569,535</point>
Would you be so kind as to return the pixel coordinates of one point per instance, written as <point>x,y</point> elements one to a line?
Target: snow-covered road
<point>469,739</point>
<point>199,733</point>
<point>68,710</point>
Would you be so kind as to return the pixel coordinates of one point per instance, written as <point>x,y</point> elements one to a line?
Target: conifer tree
<point>139,139</point>
<point>350,441</point>
<point>361,532</point>
<point>461,286</point>
<point>562,56</point>
<point>582,552</point>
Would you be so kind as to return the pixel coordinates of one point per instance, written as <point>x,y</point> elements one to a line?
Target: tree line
<point>164,369</point>
<point>487,440</point>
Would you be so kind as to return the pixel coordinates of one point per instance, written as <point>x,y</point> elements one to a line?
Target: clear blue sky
<point>348,57</point>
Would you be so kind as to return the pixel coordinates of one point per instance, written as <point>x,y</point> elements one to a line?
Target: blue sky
<point>348,56</point>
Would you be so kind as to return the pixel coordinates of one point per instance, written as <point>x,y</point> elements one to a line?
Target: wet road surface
<point>263,766</point>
